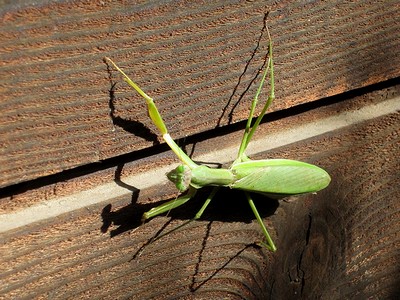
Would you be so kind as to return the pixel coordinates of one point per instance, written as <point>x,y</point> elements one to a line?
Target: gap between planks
<point>57,206</point>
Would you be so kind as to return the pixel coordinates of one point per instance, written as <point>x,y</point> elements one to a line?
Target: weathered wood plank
<point>55,99</point>
<point>327,242</point>
<point>79,189</point>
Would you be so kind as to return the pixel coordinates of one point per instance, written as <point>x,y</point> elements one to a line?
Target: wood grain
<point>55,95</point>
<point>342,243</point>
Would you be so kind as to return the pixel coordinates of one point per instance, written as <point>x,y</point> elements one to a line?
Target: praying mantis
<point>276,178</point>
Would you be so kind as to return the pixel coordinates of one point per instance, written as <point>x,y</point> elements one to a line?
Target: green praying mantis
<point>275,178</point>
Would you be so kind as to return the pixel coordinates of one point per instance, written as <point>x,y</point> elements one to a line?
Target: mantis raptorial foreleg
<point>166,207</point>
<point>183,199</point>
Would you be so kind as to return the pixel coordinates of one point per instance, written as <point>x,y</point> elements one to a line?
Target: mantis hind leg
<point>250,129</point>
<point>270,243</point>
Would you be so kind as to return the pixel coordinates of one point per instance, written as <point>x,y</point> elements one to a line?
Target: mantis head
<point>181,177</point>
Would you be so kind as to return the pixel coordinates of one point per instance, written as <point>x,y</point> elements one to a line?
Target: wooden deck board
<point>79,163</point>
<point>326,242</point>
<point>55,98</point>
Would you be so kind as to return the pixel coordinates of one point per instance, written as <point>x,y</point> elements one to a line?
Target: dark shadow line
<point>299,267</point>
<point>223,266</point>
<point>149,241</point>
<point>241,76</point>
<point>200,257</point>
<point>117,179</point>
<point>122,216</point>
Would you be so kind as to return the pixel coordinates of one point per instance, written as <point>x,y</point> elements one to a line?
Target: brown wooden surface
<point>342,243</point>
<point>55,100</point>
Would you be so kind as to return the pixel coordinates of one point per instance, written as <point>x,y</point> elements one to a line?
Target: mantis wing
<point>279,177</point>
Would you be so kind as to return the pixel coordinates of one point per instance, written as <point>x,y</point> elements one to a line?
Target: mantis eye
<point>181,177</point>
